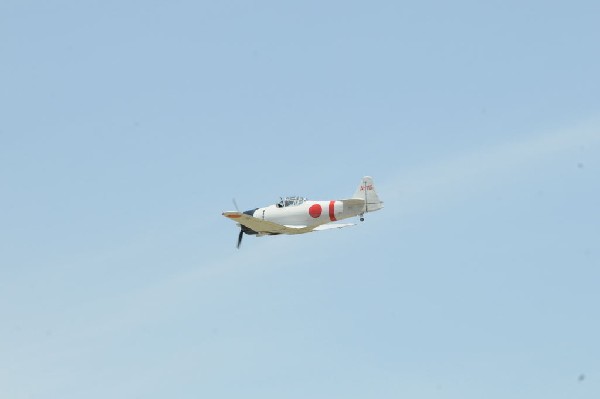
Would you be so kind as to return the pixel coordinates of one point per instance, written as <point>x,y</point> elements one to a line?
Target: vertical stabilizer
<point>366,191</point>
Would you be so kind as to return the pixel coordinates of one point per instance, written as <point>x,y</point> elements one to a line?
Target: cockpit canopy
<point>290,201</point>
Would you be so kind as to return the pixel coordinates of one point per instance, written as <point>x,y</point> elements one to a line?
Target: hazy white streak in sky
<point>452,178</point>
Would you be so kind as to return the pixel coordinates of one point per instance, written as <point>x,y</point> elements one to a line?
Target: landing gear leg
<point>362,217</point>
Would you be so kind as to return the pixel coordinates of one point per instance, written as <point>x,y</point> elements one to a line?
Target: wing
<point>264,226</point>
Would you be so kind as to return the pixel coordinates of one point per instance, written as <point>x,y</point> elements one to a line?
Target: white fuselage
<point>308,213</point>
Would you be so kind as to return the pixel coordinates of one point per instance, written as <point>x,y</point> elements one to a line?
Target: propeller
<point>239,242</point>
<point>241,235</point>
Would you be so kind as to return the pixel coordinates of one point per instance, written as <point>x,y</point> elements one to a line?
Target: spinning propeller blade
<point>239,242</point>
<point>241,235</point>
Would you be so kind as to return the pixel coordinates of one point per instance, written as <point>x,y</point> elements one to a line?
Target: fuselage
<point>307,213</point>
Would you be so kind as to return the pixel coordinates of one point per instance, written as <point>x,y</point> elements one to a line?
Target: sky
<point>127,127</point>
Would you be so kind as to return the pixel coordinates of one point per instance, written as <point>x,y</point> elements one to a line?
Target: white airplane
<point>297,215</point>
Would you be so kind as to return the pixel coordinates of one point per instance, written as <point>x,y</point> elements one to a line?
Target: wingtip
<point>232,215</point>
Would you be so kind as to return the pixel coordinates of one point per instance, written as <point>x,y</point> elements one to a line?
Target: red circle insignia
<point>315,210</point>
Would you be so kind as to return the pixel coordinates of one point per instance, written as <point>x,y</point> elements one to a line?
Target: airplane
<point>298,215</point>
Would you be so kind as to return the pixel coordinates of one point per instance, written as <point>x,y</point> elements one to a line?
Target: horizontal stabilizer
<point>333,226</point>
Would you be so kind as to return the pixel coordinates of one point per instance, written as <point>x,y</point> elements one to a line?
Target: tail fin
<point>366,191</point>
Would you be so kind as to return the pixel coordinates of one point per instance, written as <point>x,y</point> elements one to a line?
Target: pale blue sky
<point>126,127</point>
